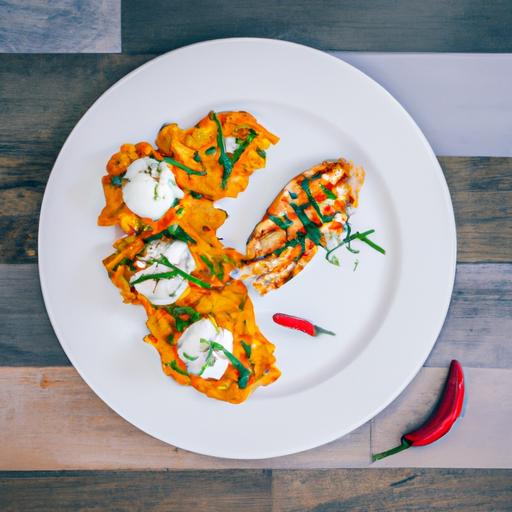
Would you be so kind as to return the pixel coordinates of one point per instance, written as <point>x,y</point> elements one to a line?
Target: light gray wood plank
<point>479,322</point>
<point>51,420</point>
<point>461,101</point>
<point>60,26</point>
<point>477,329</point>
<point>481,439</point>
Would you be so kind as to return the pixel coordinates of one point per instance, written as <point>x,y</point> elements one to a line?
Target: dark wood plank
<point>276,491</point>
<point>222,491</point>
<point>370,25</point>
<point>477,330</point>
<point>391,490</point>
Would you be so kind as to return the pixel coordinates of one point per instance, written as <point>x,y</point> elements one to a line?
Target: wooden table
<point>64,449</point>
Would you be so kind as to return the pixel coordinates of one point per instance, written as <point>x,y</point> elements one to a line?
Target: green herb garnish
<point>116,181</point>
<point>211,267</point>
<point>305,186</point>
<point>211,150</point>
<point>329,193</point>
<point>188,170</point>
<point>125,261</point>
<point>164,261</point>
<point>196,157</point>
<point>174,365</point>
<point>356,264</point>
<point>178,312</point>
<point>293,195</point>
<point>363,237</point>
<point>173,231</point>
<point>243,146</point>
<point>312,230</point>
<point>244,372</point>
<point>284,224</point>
<point>224,159</point>
<point>261,152</point>
<point>247,348</point>
<point>189,357</point>
<point>208,263</point>
<point>156,277</point>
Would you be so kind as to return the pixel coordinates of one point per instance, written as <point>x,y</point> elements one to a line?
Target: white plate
<point>387,314</point>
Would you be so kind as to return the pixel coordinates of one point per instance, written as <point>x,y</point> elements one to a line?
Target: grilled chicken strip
<point>311,211</point>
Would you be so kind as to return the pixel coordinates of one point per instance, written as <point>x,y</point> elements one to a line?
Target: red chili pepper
<point>441,420</point>
<point>294,322</point>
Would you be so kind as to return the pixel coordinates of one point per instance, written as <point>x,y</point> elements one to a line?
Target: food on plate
<point>170,261</point>
<point>213,159</point>
<point>300,324</point>
<point>311,211</point>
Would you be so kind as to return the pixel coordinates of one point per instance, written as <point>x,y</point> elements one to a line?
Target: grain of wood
<point>60,26</point>
<point>371,25</point>
<point>375,490</point>
<point>51,420</point>
<point>33,128</point>
<point>481,439</point>
<point>217,491</point>
<point>476,331</point>
<point>481,190</point>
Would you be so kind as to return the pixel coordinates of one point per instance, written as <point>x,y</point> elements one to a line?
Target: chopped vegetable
<point>183,167</point>
<point>164,261</point>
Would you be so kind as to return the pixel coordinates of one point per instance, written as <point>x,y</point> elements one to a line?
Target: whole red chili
<point>294,322</point>
<point>441,420</point>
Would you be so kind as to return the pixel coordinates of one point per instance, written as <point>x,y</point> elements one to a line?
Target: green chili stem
<point>320,330</point>
<point>405,444</point>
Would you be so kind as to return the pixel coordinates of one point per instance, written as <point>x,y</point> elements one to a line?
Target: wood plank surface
<point>33,128</point>
<point>51,420</point>
<point>392,490</point>
<point>477,329</point>
<point>60,26</point>
<point>134,491</point>
<point>262,491</point>
<point>371,25</point>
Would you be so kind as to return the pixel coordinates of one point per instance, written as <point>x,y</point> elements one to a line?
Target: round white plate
<point>387,314</point>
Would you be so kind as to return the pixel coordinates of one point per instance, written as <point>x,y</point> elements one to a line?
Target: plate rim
<point>305,444</point>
